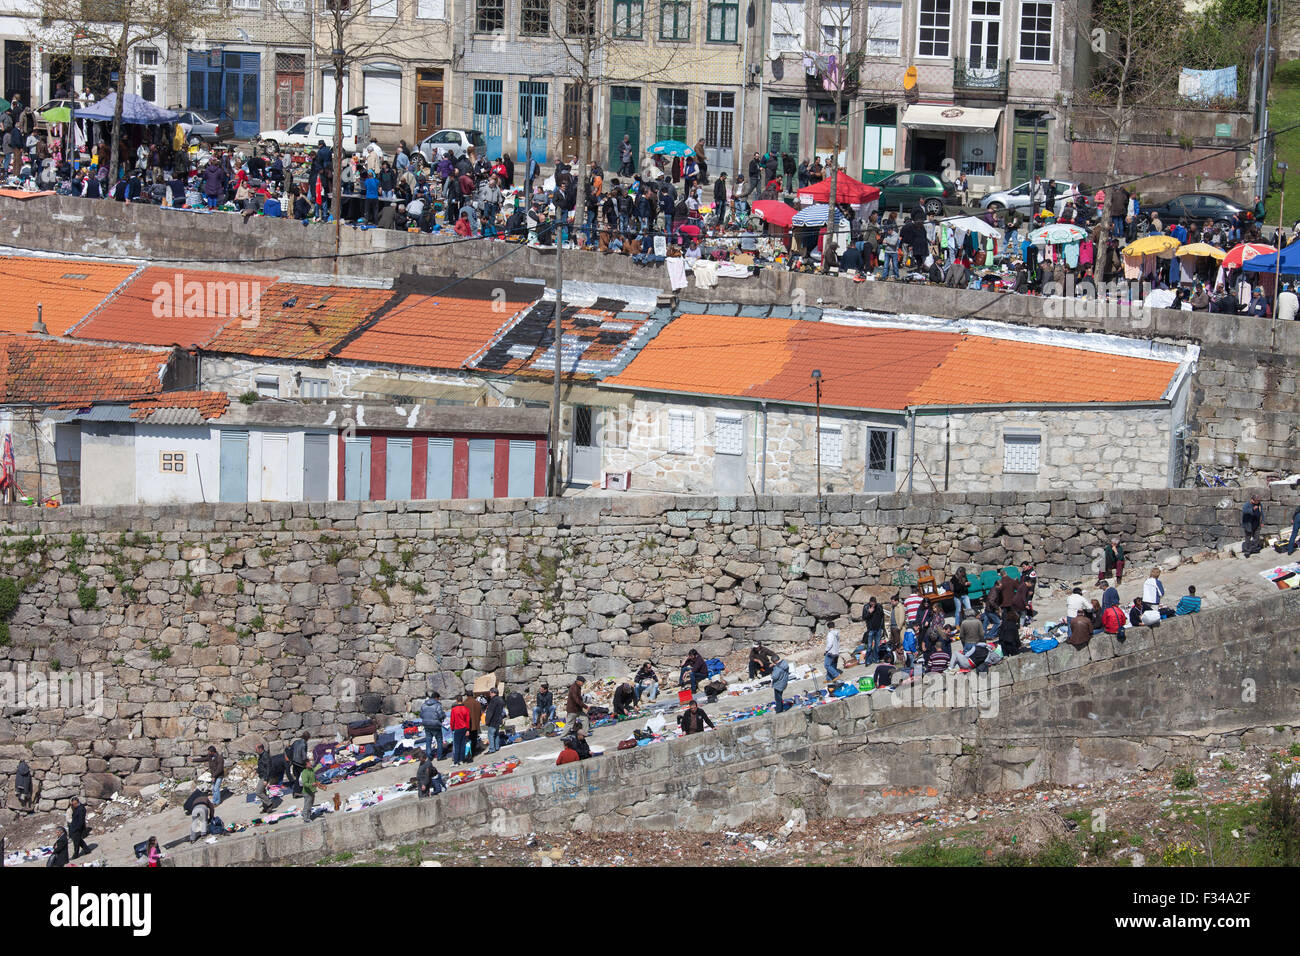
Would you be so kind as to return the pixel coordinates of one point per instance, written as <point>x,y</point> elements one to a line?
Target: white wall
<point>201,480</point>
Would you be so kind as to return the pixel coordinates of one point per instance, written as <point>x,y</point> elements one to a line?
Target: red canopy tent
<point>774,212</point>
<point>847,190</point>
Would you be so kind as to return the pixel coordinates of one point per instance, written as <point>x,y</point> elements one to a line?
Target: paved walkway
<point>1220,580</point>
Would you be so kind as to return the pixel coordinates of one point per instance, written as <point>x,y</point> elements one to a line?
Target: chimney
<point>39,327</point>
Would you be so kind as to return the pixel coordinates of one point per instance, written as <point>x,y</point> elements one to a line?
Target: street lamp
<point>817,383</point>
<point>1277,266</point>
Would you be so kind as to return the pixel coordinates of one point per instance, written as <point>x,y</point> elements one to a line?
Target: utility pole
<point>817,383</point>
<point>1277,266</point>
<point>559,339</point>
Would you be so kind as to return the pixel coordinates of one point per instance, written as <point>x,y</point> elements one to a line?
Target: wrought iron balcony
<point>986,78</point>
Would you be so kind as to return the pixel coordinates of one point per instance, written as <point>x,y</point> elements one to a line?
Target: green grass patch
<point>1284,110</point>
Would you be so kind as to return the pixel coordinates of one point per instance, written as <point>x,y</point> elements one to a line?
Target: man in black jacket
<point>624,698</point>
<point>23,785</point>
<point>264,775</point>
<point>77,829</point>
<point>693,719</point>
<point>761,661</point>
<point>720,197</point>
<point>297,756</point>
<point>217,767</point>
<point>873,616</point>
<point>494,715</point>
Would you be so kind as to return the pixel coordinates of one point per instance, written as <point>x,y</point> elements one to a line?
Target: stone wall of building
<point>1218,681</point>
<point>229,623</point>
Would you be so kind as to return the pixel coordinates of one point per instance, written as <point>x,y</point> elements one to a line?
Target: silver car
<point>1018,198</point>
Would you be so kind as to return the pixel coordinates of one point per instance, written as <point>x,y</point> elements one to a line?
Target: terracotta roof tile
<point>881,368</point>
<point>174,307</point>
<point>298,321</point>
<point>432,331</point>
<point>52,372</point>
<point>66,290</point>
<point>208,404</point>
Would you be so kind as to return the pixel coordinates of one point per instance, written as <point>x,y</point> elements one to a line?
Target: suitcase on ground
<point>362,728</point>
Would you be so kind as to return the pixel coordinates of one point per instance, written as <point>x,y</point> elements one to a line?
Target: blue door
<point>227,84</point>
<point>438,473</point>
<point>234,465</point>
<point>398,483</point>
<point>532,122</point>
<point>356,469</point>
<point>523,469</point>
<point>487,114</point>
<point>482,470</point>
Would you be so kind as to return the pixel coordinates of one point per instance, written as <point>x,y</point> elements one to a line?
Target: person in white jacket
<point>832,654</point>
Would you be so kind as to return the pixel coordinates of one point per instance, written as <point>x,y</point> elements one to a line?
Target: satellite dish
<point>909,79</point>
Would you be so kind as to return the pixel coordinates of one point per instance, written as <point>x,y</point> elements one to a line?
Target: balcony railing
<point>980,77</point>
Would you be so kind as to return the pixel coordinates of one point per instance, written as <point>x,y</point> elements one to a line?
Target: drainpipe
<point>911,452</point>
<point>947,446</point>
<point>762,468</point>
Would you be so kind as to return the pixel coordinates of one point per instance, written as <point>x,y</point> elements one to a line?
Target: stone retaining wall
<point>1221,680</point>
<point>229,623</point>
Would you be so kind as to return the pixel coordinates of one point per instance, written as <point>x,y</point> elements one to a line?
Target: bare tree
<point>342,38</point>
<point>116,28</point>
<point>1136,57</point>
<point>844,30</point>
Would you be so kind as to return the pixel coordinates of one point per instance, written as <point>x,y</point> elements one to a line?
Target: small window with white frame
<point>1020,454</point>
<point>1036,20</point>
<point>267,386</point>
<point>729,435</point>
<point>171,462</point>
<point>315,388</point>
<point>246,4</point>
<point>681,433</point>
<point>146,56</point>
<point>830,440</point>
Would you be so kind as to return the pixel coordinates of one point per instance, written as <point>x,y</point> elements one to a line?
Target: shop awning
<point>944,118</point>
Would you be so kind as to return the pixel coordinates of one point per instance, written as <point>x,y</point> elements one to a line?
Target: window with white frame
<point>431,9</point>
<point>291,6</point>
<point>1036,32</point>
<point>681,433</point>
<point>729,435</point>
<point>315,388</point>
<point>934,28</point>
<point>146,56</point>
<point>246,4</point>
<point>1020,454</point>
<point>830,441</point>
<point>171,462</point>
<point>383,8</point>
<point>884,28</point>
<point>267,386</point>
<point>787,25</point>
<point>837,26</point>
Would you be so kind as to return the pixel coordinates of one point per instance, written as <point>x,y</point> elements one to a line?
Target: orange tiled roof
<point>208,404</point>
<point>879,367</point>
<point>164,306</point>
<point>52,372</point>
<point>431,331</point>
<point>298,321</point>
<point>66,290</point>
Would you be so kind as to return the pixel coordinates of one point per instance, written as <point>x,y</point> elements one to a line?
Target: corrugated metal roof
<point>175,416</point>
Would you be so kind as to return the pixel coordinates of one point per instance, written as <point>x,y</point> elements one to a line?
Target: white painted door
<point>275,467</point>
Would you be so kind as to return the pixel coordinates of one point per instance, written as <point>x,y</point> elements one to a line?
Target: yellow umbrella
<point>1152,245</point>
<point>1201,249</point>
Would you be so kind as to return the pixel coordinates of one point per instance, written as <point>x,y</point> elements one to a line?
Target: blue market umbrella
<point>670,147</point>
<point>815,215</point>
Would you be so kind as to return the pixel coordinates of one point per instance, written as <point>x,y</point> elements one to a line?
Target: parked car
<point>1018,198</point>
<point>310,130</point>
<point>455,141</point>
<point>1195,207</point>
<point>201,129</point>
<point>906,188</point>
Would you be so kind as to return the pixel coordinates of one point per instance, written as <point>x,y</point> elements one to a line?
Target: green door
<point>782,128</point>
<point>624,119</point>
<point>1029,146</point>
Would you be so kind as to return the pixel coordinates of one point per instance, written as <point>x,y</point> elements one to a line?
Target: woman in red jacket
<point>459,722</point>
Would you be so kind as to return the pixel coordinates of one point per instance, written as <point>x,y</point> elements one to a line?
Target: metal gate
<point>487,114</point>
<point>532,121</point>
<point>624,120</point>
<point>482,467</point>
<point>397,486</point>
<point>719,138</point>
<point>316,468</point>
<point>356,469</point>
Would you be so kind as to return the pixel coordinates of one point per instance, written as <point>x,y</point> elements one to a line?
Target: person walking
<point>832,655</point>
<point>264,776</point>
<point>720,198</point>
<point>494,715</point>
<point>574,708</point>
<point>60,855</point>
<point>432,716</point>
<point>459,723</point>
<point>309,786</point>
<point>780,681</point>
<point>297,761</point>
<point>77,829</point>
<point>625,156</point>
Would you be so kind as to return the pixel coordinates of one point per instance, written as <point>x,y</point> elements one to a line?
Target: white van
<point>310,130</point>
